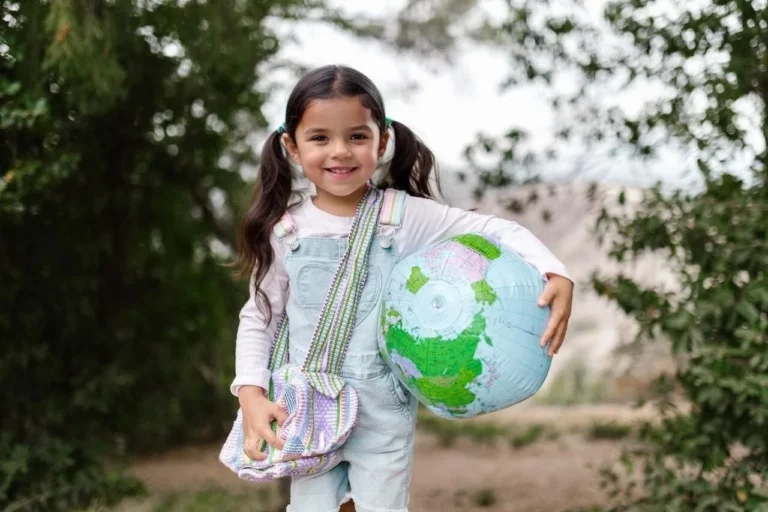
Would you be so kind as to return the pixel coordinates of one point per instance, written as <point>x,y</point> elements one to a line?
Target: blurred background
<point>630,136</point>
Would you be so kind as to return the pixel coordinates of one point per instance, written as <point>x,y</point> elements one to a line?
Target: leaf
<point>41,107</point>
<point>13,88</point>
<point>748,311</point>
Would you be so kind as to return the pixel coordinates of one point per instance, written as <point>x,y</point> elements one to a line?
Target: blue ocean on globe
<point>460,326</point>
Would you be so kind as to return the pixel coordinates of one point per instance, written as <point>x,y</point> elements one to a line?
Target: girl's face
<point>338,144</point>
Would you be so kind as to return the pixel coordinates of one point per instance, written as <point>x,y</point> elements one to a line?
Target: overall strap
<point>337,319</point>
<point>285,231</point>
<point>391,216</point>
<point>279,354</point>
<point>392,208</point>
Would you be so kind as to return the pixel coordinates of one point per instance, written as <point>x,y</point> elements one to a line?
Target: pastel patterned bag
<point>322,407</point>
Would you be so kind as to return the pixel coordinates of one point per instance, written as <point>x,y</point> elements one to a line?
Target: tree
<point>124,125</point>
<point>707,65</point>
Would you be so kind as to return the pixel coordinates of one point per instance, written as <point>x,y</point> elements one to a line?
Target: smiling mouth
<point>341,170</point>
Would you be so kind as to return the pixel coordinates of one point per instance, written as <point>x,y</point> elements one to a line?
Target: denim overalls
<point>376,471</point>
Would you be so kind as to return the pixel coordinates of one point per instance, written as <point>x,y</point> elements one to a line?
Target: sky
<point>453,102</point>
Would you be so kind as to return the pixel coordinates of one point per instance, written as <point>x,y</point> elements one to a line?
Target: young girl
<point>336,131</point>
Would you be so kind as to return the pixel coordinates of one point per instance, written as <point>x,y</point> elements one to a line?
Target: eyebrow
<point>353,129</point>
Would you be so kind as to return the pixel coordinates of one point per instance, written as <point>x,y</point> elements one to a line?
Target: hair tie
<point>387,122</point>
<point>282,128</point>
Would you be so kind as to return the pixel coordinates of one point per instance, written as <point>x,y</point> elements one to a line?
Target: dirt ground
<point>549,475</point>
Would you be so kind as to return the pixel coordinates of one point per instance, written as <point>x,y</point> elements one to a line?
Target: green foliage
<point>574,385</point>
<point>708,65</point>
<point>609,430</point>
<point>717,453</point>
<point>489,433</point>
<point>705,65</point>
<point>449,431</point>
<point>72,474</point>
<point>478,498</point>
<point>715,456</point>
<point>530,435</point>
<point>124,127</point>
<point>219,500</point>
<point>484,498</point>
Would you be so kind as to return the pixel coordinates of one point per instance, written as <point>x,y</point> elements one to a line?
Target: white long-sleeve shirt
<point>424,222</point>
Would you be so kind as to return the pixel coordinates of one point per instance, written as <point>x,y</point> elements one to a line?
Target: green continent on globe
<point>451,367</point>
<point>484,293</point>
<point>478,244</point>
<point>416,281</point>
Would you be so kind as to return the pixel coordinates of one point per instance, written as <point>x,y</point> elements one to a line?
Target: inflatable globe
<point>460,326</point>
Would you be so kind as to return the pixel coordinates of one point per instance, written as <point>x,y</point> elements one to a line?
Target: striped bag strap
<point>391,216</point>
<point>337,319</point>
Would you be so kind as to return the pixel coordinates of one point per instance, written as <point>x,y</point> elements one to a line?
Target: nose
<point>340,150</point>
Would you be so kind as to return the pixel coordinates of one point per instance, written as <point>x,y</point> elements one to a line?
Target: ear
<point>293,150</point>
<point>383,143</point>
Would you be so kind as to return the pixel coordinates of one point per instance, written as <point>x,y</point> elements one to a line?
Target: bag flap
<point>328,384</point>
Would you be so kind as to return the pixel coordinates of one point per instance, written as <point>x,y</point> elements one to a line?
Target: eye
<point>359,136</point>
<point>319,138</point>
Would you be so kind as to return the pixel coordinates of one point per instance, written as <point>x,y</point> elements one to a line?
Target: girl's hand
<point>558,293</point>
<point>258,414</point>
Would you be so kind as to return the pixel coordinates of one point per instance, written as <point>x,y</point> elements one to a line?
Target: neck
<point>340,206</point>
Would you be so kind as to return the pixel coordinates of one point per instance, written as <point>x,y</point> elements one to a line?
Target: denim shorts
<point>377,459</point>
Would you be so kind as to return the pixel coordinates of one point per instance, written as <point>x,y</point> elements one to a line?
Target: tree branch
<point>224,235</point>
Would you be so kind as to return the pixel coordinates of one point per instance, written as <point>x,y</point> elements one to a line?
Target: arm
<point>427,222</point>
<point>254,334</point>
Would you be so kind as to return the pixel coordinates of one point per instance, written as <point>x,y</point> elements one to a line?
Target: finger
<point>252,449</point>
<point>271,439</point>
<point>280,414</point>
<point>547,295</point>
<point>549,332</point>
<point>559,338</point>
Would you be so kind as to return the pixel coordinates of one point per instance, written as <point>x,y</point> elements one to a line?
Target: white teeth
<point>340,171</point>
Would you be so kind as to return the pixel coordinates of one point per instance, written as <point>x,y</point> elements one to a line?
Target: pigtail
<point>412,165</point>
<point>270,200</point>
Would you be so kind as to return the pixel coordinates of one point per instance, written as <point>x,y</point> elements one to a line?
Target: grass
<point>609,430</point>
<point>203,501</point>
<point>486,433</point>
<point>207,500</point>
<point>480,498</point>
<point>448,432</point>
<point>530,435</point>
<point>574,386</point>
<point>484,498</point>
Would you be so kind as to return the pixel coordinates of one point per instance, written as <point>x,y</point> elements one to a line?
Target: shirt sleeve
<point>254,334</point>
<point>426,221</point>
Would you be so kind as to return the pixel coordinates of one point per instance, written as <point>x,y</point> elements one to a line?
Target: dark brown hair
<point>409,170</point>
